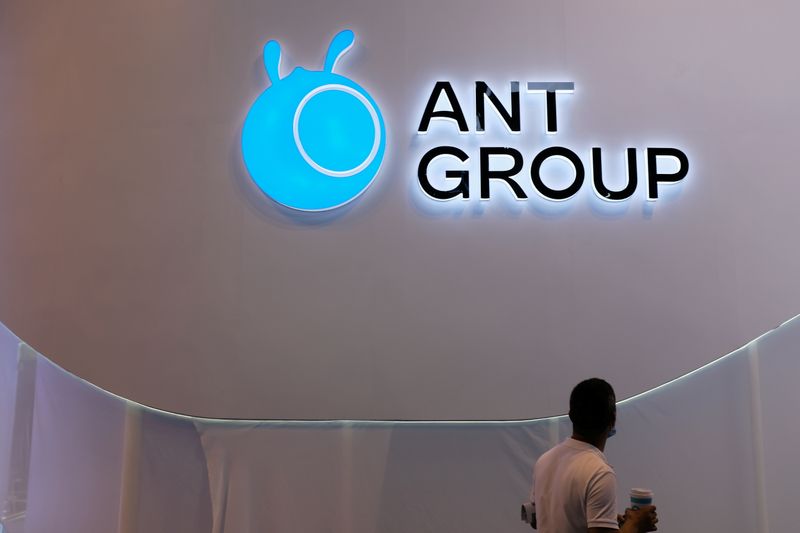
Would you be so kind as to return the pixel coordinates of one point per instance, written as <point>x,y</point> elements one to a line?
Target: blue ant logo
<point>313,140</point>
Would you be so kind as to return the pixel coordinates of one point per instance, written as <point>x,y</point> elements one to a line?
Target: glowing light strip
<point>393,423</point>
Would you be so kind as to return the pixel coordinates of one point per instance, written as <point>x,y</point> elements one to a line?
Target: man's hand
<point>639,520</point>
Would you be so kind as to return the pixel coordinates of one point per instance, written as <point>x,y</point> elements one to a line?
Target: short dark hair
<point>592,407</point>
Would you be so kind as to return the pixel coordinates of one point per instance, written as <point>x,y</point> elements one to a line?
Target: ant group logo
<point>314,140</point>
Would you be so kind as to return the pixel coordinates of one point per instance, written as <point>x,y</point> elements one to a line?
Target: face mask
<point>611,433</point>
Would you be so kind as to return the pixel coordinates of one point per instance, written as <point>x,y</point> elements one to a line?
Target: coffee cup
<point>640,497</point>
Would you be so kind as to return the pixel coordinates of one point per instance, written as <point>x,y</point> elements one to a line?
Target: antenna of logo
<point>314,140</point>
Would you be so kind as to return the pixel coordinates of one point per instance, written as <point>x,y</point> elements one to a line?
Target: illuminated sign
<point>313,140</point>
<point>510,116</point>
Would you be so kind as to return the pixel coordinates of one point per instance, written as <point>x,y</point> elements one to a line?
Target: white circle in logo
<point>375,121</point>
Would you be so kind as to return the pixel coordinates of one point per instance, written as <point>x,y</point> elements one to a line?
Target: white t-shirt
<point>574,488</point>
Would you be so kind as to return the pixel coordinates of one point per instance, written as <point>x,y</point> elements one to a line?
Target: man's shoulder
<point>551,454</point>
<point>575,448</point>
<point>591,461</point>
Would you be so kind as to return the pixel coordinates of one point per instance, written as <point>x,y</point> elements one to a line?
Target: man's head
<point>592,408</point>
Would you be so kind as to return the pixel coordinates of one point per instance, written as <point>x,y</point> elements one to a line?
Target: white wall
<point>718,436</point>
<point>136,253</point>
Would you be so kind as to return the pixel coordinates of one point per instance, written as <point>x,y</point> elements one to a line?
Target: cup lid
<point>641,493</point>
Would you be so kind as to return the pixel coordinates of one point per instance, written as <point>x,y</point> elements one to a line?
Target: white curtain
<point>717,446</point>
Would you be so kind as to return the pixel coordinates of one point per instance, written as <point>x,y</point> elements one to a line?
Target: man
<point>574,487</point>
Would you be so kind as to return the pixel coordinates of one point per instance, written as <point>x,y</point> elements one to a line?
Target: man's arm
<point>639,520</point>
<point>601,514</point>
<point>601,502</point>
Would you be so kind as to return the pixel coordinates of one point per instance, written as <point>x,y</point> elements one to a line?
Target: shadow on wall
<point>98,463</point>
